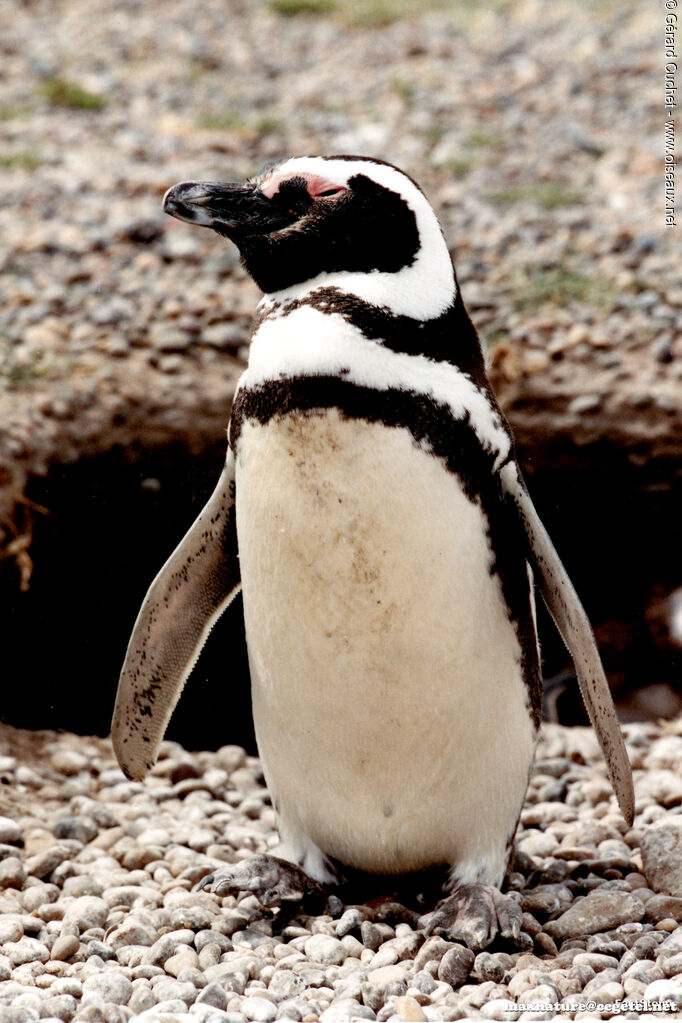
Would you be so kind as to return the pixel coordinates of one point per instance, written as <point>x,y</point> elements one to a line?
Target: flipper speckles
<point>183,603</point>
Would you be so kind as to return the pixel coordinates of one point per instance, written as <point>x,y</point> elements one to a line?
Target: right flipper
<point>573,625</point>
<point>181,607</point>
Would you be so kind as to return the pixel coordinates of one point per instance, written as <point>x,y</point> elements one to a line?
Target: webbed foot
<point>474,914</point>
<point>271,880</point>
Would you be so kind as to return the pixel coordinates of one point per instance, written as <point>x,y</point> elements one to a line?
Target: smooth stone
<point>349,921</point>
<point>664,991</point>
<point>409,1009</point>
<point>493,965</point>
<point>385,981</point>
<point>434,948</point>
<point>165,988</point>
<point>456,965</point>
<point>131,932</point>
<point>598,911</point>
<point>664,907</point>
<point>213,994</point>
<point>110,985</point>
<point>661,846</point>
<point>141,999</point>
<point>82,829</point>
<point>12,873</point>
<point>65,946</point>
<point>10,832</point>
<point>371,936</point>
<point>26,950</point>
<point>10,930</point>
<point>45,862</point>
<point>346,1009</point>
<point>322,948</point>
<point>187,959</point>
<point>86,912</point>
<point>260,1010</point>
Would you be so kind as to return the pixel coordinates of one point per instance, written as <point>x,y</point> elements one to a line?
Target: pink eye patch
<point>317,186</point>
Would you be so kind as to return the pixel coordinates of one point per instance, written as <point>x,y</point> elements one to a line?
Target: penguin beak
<point>237,211</point>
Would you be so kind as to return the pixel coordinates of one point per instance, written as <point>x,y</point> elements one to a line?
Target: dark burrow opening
<point>112,521</point>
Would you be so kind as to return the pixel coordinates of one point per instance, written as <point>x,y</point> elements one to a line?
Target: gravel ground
<point>99,920</point>
<point>537,131</point>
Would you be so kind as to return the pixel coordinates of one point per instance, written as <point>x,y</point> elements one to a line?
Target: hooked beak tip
<point>186,200</point>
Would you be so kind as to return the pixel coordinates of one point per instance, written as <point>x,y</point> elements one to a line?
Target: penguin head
<point>319,221</point>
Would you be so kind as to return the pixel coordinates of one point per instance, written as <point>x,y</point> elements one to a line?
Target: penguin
<point>373,512</point>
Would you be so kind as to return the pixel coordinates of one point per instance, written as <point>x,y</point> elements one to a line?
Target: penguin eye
<point>306,185</point>
<point>322,188</point>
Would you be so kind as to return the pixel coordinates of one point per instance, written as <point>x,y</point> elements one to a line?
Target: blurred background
<point>536,130</point>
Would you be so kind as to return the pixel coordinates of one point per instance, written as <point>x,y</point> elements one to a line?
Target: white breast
<point>389,708</point>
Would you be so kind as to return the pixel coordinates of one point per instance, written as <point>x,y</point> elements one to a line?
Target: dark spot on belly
<point>388,809</point>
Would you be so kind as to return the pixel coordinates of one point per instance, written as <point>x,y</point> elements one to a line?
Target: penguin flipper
<point>181,607</point>
<point>570,619</point>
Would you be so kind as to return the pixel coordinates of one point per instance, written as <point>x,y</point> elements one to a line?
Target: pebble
<point>64,947</point>
<point>408,1008</point>
<point>10,832</point>
<point>12,873</point>
<point>348,1009</point>
<point>598,911</point>
<point>10,930</point>
<point>322,948</point>
<point>213,994</point>
<point>664,991</point>
<point>662,855</point>
<point>112,986</point>
<point>45,862</point>
<point>433,949</point>
<point>185,960</point>
<point>261,1010</point>
<point>25,950</point>
<point>456,965</point>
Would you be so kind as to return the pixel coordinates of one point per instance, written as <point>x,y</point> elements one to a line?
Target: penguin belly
<point>390,710</point>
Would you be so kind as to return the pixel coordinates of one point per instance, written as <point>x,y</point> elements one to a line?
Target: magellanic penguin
<point>387,548</point>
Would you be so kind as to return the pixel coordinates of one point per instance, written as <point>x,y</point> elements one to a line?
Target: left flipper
<point>569,616</point>
<point>183,603</point>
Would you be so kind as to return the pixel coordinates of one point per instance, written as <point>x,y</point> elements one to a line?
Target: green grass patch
<point>482,140</point>
<point>403,88</point>
<point>13,111</point>
<point>493,337</point>
<point>550,195</point>
<point>292,8</point>
<point>20,375</point>
<point>60,92</point>
<point>269,124</point>
<point>221,120</point>
<point>558,286</point>
<point>458,166</point>
<point>23,159</point>
<point>360,13</point>
<point>246,124</point>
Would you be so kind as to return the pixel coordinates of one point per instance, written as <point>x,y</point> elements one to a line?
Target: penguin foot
<point>474,914</point>
<point>271,880</point>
